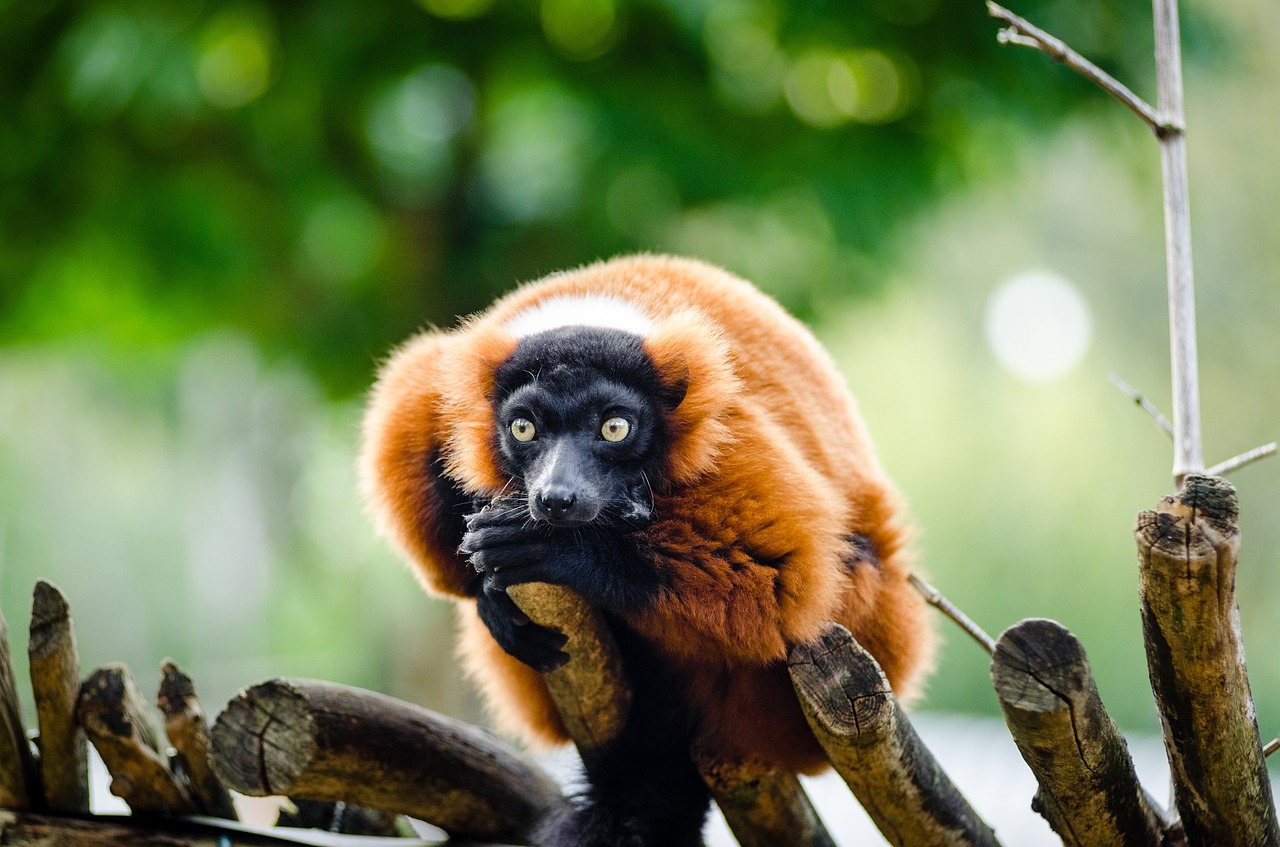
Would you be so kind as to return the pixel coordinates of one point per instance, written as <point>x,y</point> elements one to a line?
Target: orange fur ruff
<point>769,473</point>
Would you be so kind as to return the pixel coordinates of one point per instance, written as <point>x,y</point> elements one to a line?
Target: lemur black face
<point>580,415</point>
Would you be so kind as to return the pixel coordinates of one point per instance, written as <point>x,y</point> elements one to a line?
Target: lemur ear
<point>697,369</point>
<point>471,450</point>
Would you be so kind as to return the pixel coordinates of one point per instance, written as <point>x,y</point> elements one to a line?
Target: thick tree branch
<point>19,776</point>
<point>1023,33</point>
<point>1187,553</point>
<point>118,721</point>
<point>871,744</point>
<point>1089,791</point>
<point>764,805</point>
<point>324,741</point>
<point>188,732</point>
<point>55,684</point>
<point>591,689</point>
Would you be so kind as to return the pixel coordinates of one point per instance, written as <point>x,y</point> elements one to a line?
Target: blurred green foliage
<point>216,216</point>
<point>329,175</point>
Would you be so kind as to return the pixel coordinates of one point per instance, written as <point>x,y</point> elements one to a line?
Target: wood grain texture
<point>188,732</point>
<point>1088,790</point>
<point>324,741</point>
<point>121,726</point>
<point>19,776</point>
<point>763,805</point>
<point>591,690</point>
<point>1187,554</point>
<point>55,684</point>
<point>872,745</point>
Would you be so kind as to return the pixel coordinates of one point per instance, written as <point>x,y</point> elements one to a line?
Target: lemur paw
<point>505,550</point>
<point>539,647</point>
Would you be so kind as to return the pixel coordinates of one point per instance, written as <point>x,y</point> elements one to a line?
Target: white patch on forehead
<point>581,310</point>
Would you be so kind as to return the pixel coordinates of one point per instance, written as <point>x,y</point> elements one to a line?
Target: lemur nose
<point>555,503</point>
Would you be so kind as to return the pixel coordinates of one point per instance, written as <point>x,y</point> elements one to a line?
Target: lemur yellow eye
<point>615,429</point>
<point>523,429</point>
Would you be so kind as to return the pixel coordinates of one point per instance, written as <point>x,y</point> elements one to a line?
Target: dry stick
<point>1026,34</point>
<point>188,732</point>
<point>1089,792</point>
<point>118,721</point>
<point>1188,455</point>
<point>1271,746</point>
<point>763,805</point>
<point>934,598</point>
<point>1220,469</point>
<point>19,777</point>
<point>1237,462</point>
<point>1187,554</point>
<point>55,682</point>
<point>324,741</point>
<point>1143,403</point>
<point>854,715</point>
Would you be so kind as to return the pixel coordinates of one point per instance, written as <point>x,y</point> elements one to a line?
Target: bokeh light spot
<point>580,29</point>
<point>234,68</point>
<point>342,238</point>
<point>457,10</point>
<point>1038,326</point>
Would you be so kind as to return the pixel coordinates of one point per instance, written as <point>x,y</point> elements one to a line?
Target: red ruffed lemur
<point>662,438</point>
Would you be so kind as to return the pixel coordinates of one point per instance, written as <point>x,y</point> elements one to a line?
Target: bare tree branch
<point>1146,405</point>
<point>934,598</point>
<point>1026,34</point>
<point>1187,451</point>
<point>1237,462</point>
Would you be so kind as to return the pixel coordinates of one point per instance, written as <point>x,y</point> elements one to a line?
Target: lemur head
<point>581,420</point>
<point>588,406</point>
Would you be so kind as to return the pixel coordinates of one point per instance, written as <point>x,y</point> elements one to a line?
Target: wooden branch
<point>1271,746</point>
<point>934,598</point>
<point>118,721</point>
<point>19,777</point>
<point>1089,791</point>
<point>1235,463</point>
<point>24,829</point>
<point>1143,403</point>
<point>590,690</point>
<point>874,748</point>
<point>1023,33</point>
<point>188,732</point>
<point>763,805</point>
<point>1188,453</point>
<point>55,683</point>
<point>1187,554</point>
<point>324,741</point>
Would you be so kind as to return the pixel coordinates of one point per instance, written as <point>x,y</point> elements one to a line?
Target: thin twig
<point>1271,746</point>
<point>934,598</point>
<point>1237,462</point>
<point>1026,34</point>
<point>1147,406</point>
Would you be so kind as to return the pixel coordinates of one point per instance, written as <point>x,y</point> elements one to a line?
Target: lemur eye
<point>615,429</point>
<point>523,429</point>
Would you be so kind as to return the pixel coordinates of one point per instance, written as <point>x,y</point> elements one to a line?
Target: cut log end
<point>1038,666</point>
<point>847,690</point>
<point>275,739</point>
